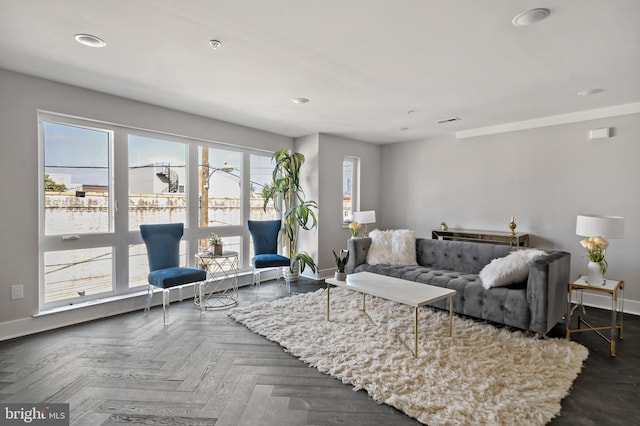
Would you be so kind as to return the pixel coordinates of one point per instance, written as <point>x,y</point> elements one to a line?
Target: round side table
<point>221,289</point>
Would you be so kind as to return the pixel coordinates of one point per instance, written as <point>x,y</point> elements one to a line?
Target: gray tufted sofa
<point>536,304</point>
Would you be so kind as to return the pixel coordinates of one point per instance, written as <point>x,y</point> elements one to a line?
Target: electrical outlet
<point>17,292</point>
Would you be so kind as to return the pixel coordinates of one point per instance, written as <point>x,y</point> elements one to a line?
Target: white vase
<point>594,274</point>
<point>340,276</point>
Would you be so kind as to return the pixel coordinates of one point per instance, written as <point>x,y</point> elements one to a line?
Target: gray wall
<point>333,149</point>
<point>544,176</point>
<point>310,180</point>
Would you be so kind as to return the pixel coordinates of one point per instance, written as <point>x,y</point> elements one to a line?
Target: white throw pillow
<point>510,269</point>
<point>395,247</point>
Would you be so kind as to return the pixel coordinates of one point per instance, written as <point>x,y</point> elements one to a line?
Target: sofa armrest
<point>358,249</point>
<point>547,288</point>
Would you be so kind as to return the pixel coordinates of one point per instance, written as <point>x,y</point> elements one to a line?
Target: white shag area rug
<point>482,375</point>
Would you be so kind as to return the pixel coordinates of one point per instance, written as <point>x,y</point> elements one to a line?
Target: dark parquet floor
<point>130,370</point>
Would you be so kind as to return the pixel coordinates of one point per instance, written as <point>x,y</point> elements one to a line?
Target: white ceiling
<point>375,70</point>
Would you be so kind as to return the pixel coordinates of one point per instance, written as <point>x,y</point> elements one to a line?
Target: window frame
<point>355,187</point>
<point>120,238</point>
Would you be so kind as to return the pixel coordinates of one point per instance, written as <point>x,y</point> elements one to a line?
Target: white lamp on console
<point>598,229</point>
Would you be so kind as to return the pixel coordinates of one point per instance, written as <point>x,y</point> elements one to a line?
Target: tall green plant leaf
<point>298,213</point>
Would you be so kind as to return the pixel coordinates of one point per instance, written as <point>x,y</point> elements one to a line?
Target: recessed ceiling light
<point>215,44</point>
<point>299,100</point>
<point>90,40</point>
<point>404,129</point>
<point>589,92</point>
<point>530,17</point>
<point>448,120</point>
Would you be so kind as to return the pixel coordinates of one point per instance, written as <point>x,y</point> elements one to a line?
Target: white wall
<point>20,98</point>
<point>544,176</point>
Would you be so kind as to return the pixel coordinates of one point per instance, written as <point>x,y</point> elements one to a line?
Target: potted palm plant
<point>341,263</point>
<point>297,213</point>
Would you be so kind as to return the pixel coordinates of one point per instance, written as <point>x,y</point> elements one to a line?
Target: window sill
<point>117,298</point>
<point>88,303</point>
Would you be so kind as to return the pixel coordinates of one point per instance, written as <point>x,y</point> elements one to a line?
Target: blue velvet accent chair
<point>163,253</point>
<point>264,234</point>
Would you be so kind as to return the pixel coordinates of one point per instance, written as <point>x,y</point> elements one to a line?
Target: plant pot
<point>292,276</point>
<point>216,250</point>
<point>341,276</point>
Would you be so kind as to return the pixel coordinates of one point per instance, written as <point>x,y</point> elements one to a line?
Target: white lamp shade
<point>368,216</point>
<point>588,225</point>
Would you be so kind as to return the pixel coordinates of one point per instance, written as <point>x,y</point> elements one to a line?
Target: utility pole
<point>204,188</point>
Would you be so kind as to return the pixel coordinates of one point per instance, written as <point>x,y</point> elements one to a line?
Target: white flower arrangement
<point>596,248</point>
<point>355,228</point>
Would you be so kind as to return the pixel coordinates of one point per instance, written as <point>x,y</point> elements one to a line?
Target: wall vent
<point>448,120</point>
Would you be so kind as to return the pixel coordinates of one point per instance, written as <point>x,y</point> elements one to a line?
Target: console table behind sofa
<point>494,237</point>
<point>536,304</point>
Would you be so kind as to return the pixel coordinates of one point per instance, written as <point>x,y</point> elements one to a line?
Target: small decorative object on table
<point>355,229</point>
<point>341,263</point>
<point>512,226</point>
<point>215,244</point>
<point>443,226</point>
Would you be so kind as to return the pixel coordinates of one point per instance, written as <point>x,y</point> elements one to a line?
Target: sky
<point>83,154</point>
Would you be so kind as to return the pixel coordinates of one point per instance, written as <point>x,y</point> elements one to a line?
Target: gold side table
<point>612,287</point>
<point>221,288</point>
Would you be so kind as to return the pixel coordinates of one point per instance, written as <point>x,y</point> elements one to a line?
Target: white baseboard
<point>604,302</point>
<point>90,311</point>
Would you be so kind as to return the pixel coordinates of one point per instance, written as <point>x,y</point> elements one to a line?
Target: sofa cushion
<point>510,269</point>
<point>467,257</point>
<point>395,247</point>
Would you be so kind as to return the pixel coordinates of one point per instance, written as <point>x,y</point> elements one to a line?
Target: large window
<point>157,181</point>
<point>77,209</point>
<point>77,179</point>
<point>350,186</point>
<point>101,181</point>
<point>261,176</point>
<point>220,189</point>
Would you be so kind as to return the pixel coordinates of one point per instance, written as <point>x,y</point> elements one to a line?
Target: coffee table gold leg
<point>416,331</point>
<point>450,316</point>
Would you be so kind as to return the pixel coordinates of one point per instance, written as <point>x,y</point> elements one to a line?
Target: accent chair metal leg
<point>147,305</point>
<point>200,295</point>
<point>165,306</point>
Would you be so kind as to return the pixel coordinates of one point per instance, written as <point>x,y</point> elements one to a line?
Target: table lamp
<point>598,229</point>
<point>364,218</point>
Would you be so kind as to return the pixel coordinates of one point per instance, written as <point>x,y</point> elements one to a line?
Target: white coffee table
<point>397,290</point>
